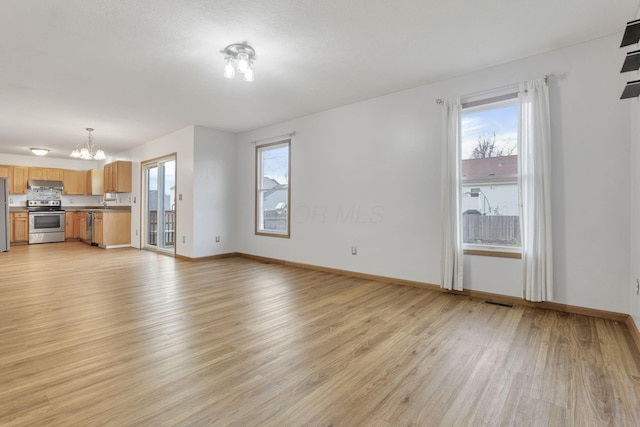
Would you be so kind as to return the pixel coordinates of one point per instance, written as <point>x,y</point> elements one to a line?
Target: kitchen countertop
<point>80,209</point>
<point>99,209</point>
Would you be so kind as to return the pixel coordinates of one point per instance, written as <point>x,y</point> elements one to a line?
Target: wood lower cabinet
<point>72,224</point>
<point>98,228</point>
<point>82,225</point>
<point>19,224</point>
<point>112,228</point>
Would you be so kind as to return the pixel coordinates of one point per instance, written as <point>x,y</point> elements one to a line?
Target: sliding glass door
<point>159,177</point>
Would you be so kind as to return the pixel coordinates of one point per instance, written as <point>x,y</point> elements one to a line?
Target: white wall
<point>180,143</point>
<point>634,298</point>
<point>204,188</point>
<point>379,160</point>
<point>214,192</point>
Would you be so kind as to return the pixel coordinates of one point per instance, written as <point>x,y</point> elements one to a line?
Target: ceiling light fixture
<point>88,151</point>
<point>39,151</point>
<point>239,57</point>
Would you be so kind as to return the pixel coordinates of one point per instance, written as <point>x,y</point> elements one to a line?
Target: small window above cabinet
<point>117,177</point>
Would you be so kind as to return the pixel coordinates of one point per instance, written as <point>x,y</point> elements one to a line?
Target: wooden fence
<point>503,230</point>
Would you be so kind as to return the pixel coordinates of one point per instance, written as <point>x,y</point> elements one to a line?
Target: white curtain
<point>452,227</point>
<point>535,185</point>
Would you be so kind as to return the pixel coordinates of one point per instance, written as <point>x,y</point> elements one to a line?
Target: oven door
<point>46,227</point>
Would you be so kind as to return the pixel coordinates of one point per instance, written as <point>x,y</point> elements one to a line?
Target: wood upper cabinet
<point>94,182</point>
<point>4,171</point>
<point>74,181</point>
<point>19,224</point>
<point>18,177</point>
<point>117,177</point>
<point>50,174</point>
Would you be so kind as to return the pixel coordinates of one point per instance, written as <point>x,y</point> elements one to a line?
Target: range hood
<point>41,184</point>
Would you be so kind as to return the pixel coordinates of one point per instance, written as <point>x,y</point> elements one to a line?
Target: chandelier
<point>239,57</point>
<point>88,151</point>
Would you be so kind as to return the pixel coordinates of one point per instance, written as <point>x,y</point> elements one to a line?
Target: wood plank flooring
<point>130,338</point>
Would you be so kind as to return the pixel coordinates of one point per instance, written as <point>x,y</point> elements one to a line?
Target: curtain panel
<point>534,148</point>
<point>452,252</point>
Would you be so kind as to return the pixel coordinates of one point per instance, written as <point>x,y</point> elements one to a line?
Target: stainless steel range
<point>46,221</point>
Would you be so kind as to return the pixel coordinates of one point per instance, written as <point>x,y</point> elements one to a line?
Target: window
<point>489,175</point>
<point>272,189</point>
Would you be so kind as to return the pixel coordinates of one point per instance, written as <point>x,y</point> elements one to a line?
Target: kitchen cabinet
<point>73,182</point>
<point>49,174</point>
<point>82,225</point>
<point>4,171</point>
<point>19,224</point>
<point>72,224</point>
<point>18,177</point>
<point>98,228</point>
<point>117,177</point>
<point>94,182</point>
<point>112,228</point>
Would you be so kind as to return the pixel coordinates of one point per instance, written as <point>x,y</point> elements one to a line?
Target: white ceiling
<point>137,70</point>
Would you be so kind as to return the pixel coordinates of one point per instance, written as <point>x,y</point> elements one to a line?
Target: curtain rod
<point>290,134</point>
<point>547,77</point>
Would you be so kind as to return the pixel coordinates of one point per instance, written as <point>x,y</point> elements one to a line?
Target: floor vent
<point>501,304</point>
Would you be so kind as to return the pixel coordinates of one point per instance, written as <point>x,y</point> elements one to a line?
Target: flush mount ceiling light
<point>39,151</point>
<point>239,57</point>
<point>88,151</point>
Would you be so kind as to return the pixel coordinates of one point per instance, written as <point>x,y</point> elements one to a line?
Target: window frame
<point>477,105</point>
<point>259,220</point>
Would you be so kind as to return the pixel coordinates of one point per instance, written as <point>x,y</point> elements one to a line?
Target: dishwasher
<point>89,235</point>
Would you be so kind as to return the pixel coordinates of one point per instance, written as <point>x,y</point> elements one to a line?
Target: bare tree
<point>487,147</point>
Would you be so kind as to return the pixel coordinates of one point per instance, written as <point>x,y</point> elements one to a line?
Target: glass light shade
<point>100,155</point>
<point>75,153</point>
<point>243,62</point>
<point>39,151</point>
<point>229,70</point>
<point>248,75</point>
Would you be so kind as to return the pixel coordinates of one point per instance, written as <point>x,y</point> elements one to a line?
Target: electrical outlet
<point>179,196</point>
<point>217,239</point>
<point>637,286</point>
<point>136,232</point>
<point>184,239</point>
<point>354,250</point>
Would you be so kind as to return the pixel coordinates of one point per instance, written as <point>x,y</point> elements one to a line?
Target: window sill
<point>493,253</point>
<point>267,234</point>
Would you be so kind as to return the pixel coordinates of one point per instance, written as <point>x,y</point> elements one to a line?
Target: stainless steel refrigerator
<point>4,215</point>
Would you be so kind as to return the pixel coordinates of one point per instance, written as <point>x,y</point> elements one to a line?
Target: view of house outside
<point>489,169</point>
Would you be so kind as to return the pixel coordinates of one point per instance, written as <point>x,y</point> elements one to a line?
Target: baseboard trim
<point>504,299</point>
<point>633,330</point>
<point>207,258</point>
<point>349,273</point>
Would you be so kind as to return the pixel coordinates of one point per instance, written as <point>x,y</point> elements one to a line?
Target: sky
<point>275,165</point>
<point>503,121</point>
<point>169,177</point>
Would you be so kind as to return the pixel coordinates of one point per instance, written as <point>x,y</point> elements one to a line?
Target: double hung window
<point>272,189</point>
<point>489,205</point>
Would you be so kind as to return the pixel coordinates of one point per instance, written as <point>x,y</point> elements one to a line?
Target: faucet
<point>103,202</point>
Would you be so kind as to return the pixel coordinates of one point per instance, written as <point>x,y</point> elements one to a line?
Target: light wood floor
<point>131,338</point>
